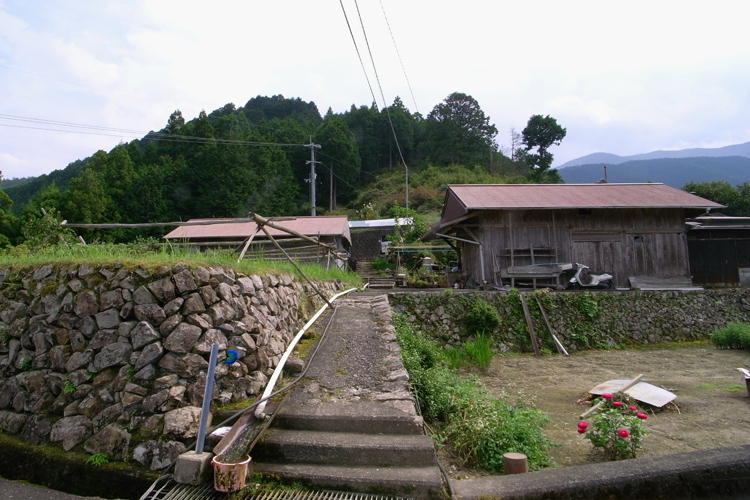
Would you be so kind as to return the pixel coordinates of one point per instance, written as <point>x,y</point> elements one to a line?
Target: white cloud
<point>623,78</point>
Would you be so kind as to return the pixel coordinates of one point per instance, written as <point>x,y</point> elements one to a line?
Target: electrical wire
<point>356,47</point>
<point>162,136</point>
<point>408,83</point>
<point>382,95</point>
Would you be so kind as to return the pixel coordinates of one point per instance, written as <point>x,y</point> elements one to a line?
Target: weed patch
<point>479,428</point>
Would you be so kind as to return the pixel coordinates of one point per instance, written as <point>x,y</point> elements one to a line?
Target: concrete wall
<point>580,320</point>
<point>113,360</point>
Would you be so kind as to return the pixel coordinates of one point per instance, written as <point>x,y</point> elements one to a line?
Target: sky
<point>622,78</point>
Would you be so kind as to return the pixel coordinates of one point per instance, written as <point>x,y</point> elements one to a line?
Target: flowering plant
<point>616,429</point>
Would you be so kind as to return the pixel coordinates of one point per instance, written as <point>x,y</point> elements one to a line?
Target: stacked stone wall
<point>580,320</point>
<point>113,360</point>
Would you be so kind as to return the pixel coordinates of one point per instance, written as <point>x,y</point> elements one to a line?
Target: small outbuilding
<point>246,237</point>
<point>627,230</point>
<point>719,249</point>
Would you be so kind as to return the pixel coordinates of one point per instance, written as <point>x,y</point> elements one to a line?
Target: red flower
<point>616,404</point>
<point>606,395</point>
<point>582,425</point>
<point>632,408</point>
<point>581,430</point>
<point>623,433</point>
<point>642,416</point>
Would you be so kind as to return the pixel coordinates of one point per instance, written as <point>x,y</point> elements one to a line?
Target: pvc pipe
<point>280,367</point>
<point>207,398</point>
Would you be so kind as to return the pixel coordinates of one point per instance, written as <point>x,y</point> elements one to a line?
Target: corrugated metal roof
<point>309,226</point>
<point>560,196</point>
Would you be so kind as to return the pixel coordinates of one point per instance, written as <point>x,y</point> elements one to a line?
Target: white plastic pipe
<point>259,411</point>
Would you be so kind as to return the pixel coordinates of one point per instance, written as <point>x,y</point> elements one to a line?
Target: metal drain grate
<point>171,490</point>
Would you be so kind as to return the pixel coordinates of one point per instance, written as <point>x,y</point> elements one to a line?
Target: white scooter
<point>580,276</point>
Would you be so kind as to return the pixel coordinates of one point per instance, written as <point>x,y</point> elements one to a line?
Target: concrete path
<point>351,423</point>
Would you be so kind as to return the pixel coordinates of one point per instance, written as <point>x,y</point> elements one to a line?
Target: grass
<point>723,386</point>
<point>151,256</point>
<point>480,351</point>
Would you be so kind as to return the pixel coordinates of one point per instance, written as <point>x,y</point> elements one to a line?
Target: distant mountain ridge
<point>675,172</point>
<point>612,159</point>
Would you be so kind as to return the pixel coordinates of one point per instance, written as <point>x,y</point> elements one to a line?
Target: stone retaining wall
<point>113,360</point>
<point>580,320</point>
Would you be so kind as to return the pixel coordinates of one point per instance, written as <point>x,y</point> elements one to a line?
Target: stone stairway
<point>370,275</point>
<point>351,423</point>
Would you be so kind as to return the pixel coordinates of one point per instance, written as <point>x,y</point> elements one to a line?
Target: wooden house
<point>719,248</point>
<point>627,230</point>
<point>293,234</point>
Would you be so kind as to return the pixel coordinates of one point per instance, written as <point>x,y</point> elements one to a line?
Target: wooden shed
<point>624,229</point>
<point>246,237</point>
<point>719,249</point>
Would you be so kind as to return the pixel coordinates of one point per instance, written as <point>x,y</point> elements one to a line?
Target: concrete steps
<point>346,456</point>
<point>338,448</point>
<point>410,482</point>
<point>369,274</point>
<point>351,422</point>
<point>356,417</point>
<point>363,446</point>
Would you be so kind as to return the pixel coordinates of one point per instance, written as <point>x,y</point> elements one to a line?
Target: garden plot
<point>712,408</point>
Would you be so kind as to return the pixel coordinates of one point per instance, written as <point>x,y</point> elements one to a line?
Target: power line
<point>356,47</point>
<point>99,130</point>
<point>408,83</point>
<point>387,111</point>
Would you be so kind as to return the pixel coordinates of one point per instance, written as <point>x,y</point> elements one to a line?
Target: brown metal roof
<point>560,196</point>
<point>309,226</point>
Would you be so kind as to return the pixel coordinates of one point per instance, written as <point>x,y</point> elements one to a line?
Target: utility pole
<point>312,163</point>
<point>331,196</point>
<point>407,186</point>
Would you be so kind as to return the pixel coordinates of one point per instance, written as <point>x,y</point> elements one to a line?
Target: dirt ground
<point>712,408</point>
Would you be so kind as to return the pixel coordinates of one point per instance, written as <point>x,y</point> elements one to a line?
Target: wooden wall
<point>622,242</point>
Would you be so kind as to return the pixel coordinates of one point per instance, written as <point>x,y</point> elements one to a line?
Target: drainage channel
<point>167,489</point>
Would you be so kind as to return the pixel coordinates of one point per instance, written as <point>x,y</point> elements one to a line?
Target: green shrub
<point>486,428</point>
<point>733,336</point>
<point>481,317</point>
<point>417,351</point>
<point>479,427</point>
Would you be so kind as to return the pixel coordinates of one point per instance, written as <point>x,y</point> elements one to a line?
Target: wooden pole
<point>247,244</point>
<point>515,463</point>
<point>299,270</point>
<point>560,348</point>
<point>530,325</point>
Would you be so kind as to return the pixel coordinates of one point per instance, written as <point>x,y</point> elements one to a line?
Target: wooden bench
<point>533,273</point>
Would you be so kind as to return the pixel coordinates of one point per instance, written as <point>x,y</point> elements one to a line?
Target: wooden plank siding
<point>622,242</point>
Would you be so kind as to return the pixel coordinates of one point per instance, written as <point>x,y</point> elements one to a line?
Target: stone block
<point>192,467</point>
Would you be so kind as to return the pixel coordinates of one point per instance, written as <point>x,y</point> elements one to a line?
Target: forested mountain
<point>610,159</point>
<point>675,172</point>
<point>256,158</point>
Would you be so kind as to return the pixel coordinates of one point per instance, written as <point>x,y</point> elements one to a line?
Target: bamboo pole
<point>299,270</point>
<point>560,348</point>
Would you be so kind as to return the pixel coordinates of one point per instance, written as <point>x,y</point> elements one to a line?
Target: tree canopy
<point>255,158</point>
<point>541,133</point>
